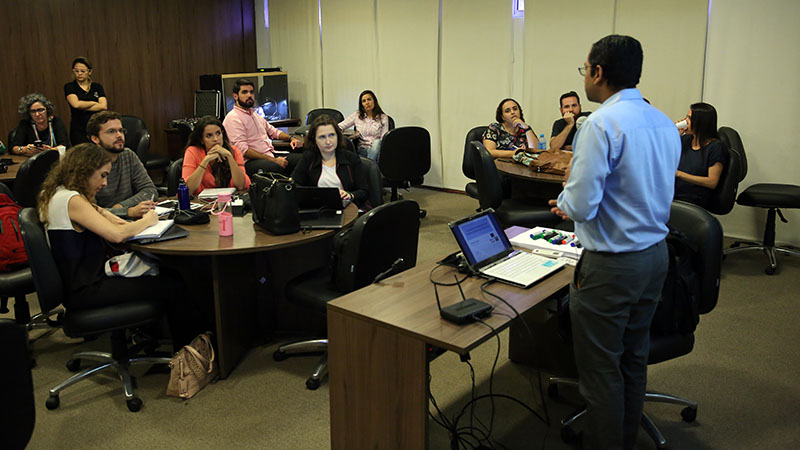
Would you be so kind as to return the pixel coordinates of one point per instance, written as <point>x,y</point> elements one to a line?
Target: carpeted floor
<point>742,373</point>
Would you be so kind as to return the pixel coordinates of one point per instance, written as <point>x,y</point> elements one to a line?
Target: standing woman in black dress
<point>84,97</point>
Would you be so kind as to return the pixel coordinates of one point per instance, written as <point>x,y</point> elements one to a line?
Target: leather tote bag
<point>274,203</point>
<point>555,162</point>
<point>192,368</point>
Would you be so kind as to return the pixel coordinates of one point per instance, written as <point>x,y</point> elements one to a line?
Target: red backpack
<point>12,249</point>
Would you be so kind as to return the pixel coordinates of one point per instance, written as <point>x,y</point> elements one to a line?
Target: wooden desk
<point>11,174</point>
<point>231,269</point>
<point>522,172</point>
<point>378,357</point>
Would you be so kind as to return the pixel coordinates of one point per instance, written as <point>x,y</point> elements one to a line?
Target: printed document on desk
<point>153,232</point>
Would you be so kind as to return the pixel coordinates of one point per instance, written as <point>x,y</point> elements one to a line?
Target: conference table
<point>523,172</point>
<point>382,339</point>
<point>11,174</point>
<point>238,271</point>
<point>527,183</point>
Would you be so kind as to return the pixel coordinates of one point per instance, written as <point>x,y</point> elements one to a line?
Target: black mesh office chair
<point>704,232</point>
<point>335,114</point>
<point>405,158</point>
<point>770,196</point>
<point>18,412</point>
<point>509,212</point>
<point>89,322</point>
<point>361,254</point>
<point>138,140</point>
<point>31,175</point>
<point>467,168</point>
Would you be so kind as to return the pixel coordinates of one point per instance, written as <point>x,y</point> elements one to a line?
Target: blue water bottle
<point>542,142</point>
<point>183,195</point>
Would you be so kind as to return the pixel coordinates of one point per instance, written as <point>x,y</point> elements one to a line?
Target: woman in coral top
<point>210,161</point>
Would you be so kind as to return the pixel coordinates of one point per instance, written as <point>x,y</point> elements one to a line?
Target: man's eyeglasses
<point>114,131</point>
<point>38,111</point>
<point>79,71</point>
<point>582,70</point>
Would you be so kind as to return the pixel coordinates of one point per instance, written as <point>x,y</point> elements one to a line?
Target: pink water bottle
<point>222,210</point>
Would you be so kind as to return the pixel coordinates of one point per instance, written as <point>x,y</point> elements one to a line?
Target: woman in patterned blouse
<point>510,133</point>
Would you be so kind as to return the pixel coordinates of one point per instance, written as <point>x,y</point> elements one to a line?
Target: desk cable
<point>466,435</point>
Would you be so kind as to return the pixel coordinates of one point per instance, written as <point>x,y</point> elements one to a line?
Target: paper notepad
<point>153,232</point>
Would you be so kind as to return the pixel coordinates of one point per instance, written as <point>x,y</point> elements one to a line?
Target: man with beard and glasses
<point>253,135</point>
<point>130,192</point>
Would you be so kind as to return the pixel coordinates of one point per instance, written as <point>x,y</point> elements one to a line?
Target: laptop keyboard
<point>521,267</point>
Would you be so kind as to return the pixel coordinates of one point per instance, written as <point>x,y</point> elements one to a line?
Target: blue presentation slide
<point>482,238</point>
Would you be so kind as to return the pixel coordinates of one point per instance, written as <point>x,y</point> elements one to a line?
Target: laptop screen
<point>480,237</point>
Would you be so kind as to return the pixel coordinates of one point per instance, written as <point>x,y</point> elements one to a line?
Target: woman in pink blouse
<point>210,161</point>
<point>370,123</point>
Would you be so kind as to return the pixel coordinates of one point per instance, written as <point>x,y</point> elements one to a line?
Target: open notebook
<point>163,230</point>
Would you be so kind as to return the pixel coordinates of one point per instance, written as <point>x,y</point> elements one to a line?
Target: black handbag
<point>274,204</point>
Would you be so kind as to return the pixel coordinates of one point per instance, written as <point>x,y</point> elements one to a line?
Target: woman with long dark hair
<point>370,123</point>
<point>85,97</point>
<point>703,156</point>
<point>327,163</point>
<point>210,161</point>
<point>510,133</point>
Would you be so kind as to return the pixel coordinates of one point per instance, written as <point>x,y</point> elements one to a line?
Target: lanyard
<point>50,127</point>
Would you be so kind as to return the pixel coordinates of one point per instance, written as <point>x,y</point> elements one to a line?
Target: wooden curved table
<point>11,174</point>
<point>523,172</point>
<point>529,184</point>
<point>238,270</point>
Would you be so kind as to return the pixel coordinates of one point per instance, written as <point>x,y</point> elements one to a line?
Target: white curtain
<point>752,71</point>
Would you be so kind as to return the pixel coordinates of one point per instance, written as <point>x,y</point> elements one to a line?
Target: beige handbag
<point>192,368</point>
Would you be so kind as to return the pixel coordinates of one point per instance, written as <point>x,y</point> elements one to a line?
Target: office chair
<point>705,233</point>
<point>724,195</point>
<point>138,140</point>
<point>88,322</point>
<point>373,175</point>
<point>391,122</point>
<point>31,175</point>
<point>334,114</point>
<point>405,159</point>
<point>174,172</point>
<point>11,135</point>
<point>18,412</point>
<point>509,212</point>
<point>770,196</point>
<point>467,168</point>
<point>361,253</point>
<point>19,283</point>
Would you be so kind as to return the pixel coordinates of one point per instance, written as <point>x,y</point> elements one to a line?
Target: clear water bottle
<point>542,142</point>
<point>183,195</point>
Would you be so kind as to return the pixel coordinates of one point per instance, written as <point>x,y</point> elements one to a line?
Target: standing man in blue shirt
<point>619,195</point>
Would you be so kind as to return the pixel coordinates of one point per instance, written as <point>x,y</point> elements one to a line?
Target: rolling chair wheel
<point>279,355</point>
<point>74,365</point>
<point>568,435</point>
<point>552,390</point>
<point>134,404</point>
<point>769,270</point>
<point>689,414</point>
<point>422,213</point>
<point>52,402</point>
<point>312,384</point>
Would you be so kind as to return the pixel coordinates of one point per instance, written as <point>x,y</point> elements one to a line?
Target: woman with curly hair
<point>78,231</point>
<point>39,129</point>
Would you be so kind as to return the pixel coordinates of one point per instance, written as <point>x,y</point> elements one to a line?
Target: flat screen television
<point>272,92</point>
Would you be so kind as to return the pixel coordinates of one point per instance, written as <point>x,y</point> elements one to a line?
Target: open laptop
<point>319,207</point>
<point>489,253</point>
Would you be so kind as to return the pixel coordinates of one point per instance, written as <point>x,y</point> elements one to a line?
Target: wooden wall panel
<point>147,54</point>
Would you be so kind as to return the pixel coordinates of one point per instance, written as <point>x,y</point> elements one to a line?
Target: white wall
<point>753,79</point>
<point>445,65</point>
